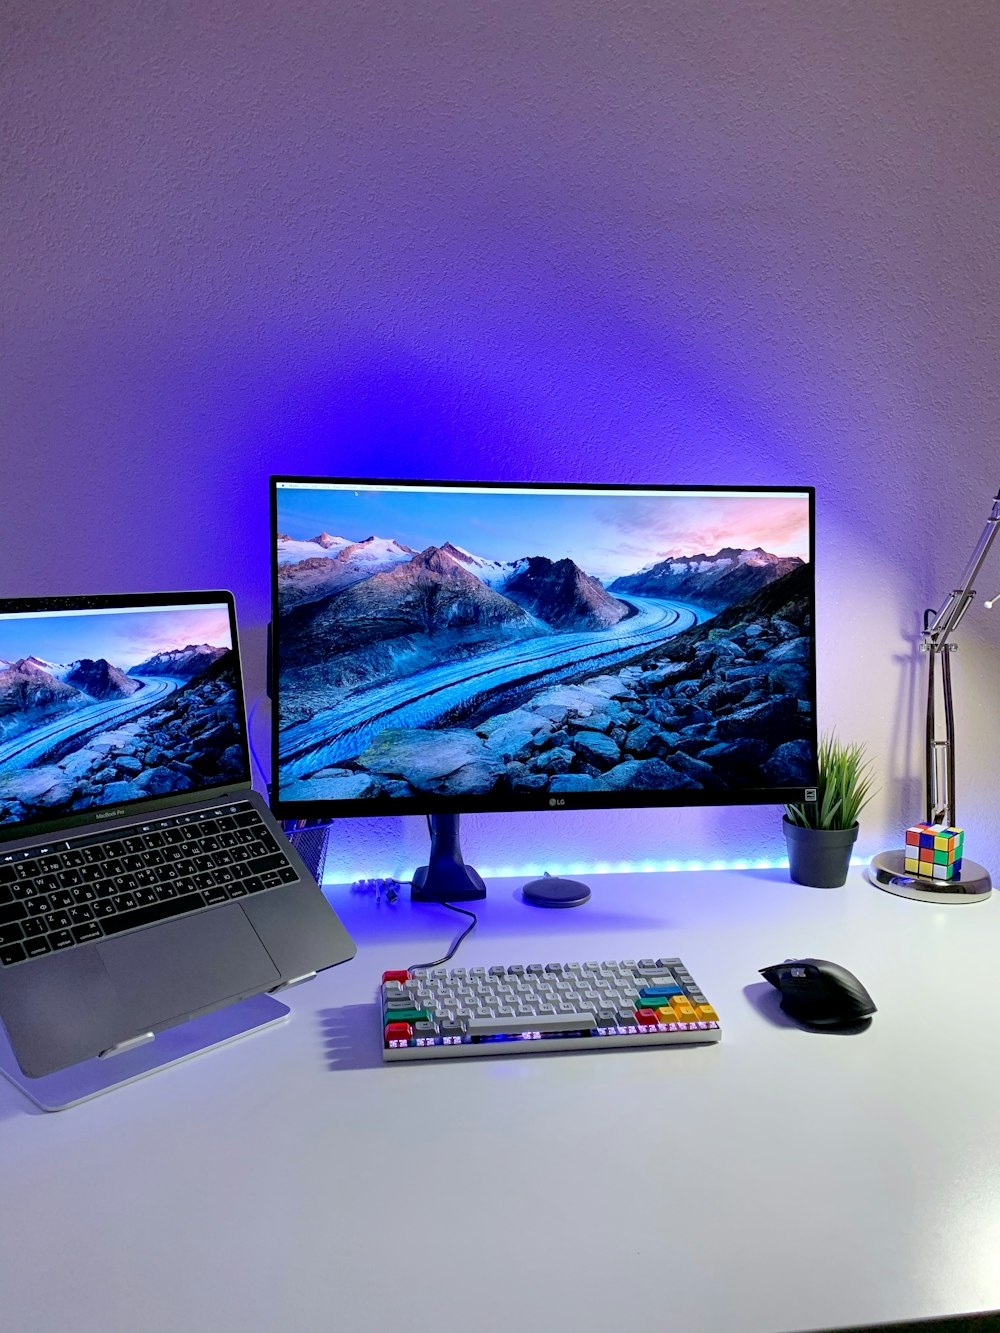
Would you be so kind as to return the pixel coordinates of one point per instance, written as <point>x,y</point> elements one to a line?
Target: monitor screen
<point>450,646</point>
<point>108,704</point>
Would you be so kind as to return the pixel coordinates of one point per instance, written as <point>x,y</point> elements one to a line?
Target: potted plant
<point>820,834</point>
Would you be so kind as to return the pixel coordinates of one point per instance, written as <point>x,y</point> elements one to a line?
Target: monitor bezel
<point>316,811</point>
<point>78,820</point>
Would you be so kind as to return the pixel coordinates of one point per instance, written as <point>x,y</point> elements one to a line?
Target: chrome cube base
<point>887,871</point>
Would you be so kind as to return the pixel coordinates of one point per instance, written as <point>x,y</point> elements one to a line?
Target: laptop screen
<point>112,703</point>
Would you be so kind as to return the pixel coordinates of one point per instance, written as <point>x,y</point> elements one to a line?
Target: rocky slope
<point>191,739</point>
<point>561,594</point>
<point>27,686</point>
<point>101,680</point>
<point>725,705</point>
<point>366,627</point>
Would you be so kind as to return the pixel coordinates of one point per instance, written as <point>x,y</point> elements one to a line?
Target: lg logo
<point>556,801</point>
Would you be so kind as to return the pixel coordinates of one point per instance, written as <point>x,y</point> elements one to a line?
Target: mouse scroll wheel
<point>799,972</point>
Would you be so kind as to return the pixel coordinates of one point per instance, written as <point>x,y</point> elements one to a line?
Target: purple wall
<point>563,240</point>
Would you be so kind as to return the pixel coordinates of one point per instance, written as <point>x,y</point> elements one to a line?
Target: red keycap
<point>398,1032</point>
<point>646,1018</point>
<point>396,976</point>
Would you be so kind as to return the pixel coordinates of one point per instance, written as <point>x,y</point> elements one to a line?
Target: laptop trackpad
<point>177,969</point>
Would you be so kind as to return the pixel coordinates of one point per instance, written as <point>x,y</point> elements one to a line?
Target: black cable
<point>410,967</point>
<point>451,908</point>
<point>253,748</point>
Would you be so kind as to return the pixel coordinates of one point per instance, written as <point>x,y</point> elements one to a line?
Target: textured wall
<point>539,239</point>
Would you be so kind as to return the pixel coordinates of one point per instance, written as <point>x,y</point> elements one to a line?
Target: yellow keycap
<point>706,1013</point>
<point>683,1009</point>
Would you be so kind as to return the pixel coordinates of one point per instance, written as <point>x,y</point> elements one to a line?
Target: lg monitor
<point>449,647</point>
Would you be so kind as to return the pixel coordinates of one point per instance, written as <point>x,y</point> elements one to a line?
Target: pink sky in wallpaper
<point>178,629</point>
<point>124,637</point>
<point>606,533</point>
<point>693,525</point>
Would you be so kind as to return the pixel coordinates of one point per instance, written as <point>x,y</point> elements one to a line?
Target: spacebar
<point>145,916</point>
<point>495,1027</point>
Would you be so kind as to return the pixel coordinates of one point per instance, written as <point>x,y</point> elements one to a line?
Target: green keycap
<point>407,1016</point>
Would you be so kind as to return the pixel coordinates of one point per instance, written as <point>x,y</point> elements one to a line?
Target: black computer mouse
<point>820,994</point>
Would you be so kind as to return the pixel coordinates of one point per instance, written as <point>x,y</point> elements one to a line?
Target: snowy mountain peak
<point>43,663</point>
<point>183,663</point>
<point>439,560</point>
<point>292,551</point>
<point>308,572</point>
<point>494,573</point>
<point>756,556</point>
<point>711,581</point>
<point>374,548</point>
<point>466,557</point>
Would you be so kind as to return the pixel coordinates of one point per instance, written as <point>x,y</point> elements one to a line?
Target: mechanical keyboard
<point>521,1009</point>
<point>72,892</point>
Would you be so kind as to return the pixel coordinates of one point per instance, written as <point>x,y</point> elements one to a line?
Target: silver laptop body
<point>142,881</point>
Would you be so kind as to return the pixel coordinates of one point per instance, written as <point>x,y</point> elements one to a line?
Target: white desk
<point>779,1180</point>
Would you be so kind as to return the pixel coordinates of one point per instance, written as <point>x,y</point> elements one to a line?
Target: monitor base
<point>886,871</point>
<point>446,878</point>
<point>79,1083</point>
<point>454,884</point>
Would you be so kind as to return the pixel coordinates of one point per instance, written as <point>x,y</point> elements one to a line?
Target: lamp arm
<point>940,625</point>
<point>939,761</point>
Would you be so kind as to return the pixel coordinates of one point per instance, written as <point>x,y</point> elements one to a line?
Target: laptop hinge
<point>129,1045</point>
<point>294,981</point>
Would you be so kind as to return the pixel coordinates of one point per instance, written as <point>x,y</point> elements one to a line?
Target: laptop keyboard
<point>71,893</point>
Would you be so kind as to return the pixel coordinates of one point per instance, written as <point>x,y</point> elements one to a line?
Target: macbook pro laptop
<point>142,881</point>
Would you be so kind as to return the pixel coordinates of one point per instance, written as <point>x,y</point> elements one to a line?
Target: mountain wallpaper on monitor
<point>501,643</point>
<point>113,708</point>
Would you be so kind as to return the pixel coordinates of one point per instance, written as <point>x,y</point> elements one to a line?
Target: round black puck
<point>552,891</point>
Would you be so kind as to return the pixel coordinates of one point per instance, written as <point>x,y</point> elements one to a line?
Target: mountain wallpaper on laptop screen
<point>525,643</point>
<point>104,708</point>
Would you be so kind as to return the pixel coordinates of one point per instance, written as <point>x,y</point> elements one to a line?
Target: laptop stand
<point>134,1060</point>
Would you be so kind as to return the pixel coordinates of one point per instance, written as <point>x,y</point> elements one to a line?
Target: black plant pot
<point>819,857</point>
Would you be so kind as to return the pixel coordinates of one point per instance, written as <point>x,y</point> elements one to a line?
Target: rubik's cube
<point>934,851</point>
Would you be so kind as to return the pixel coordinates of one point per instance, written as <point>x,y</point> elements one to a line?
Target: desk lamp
<point>886,870</point>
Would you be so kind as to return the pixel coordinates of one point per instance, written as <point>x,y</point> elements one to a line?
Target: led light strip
<point>598,868</point>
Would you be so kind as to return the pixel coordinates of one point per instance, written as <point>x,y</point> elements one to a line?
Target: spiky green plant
<point>843,790</point>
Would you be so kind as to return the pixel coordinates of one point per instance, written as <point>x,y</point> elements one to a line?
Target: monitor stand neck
<point>446,878</point>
